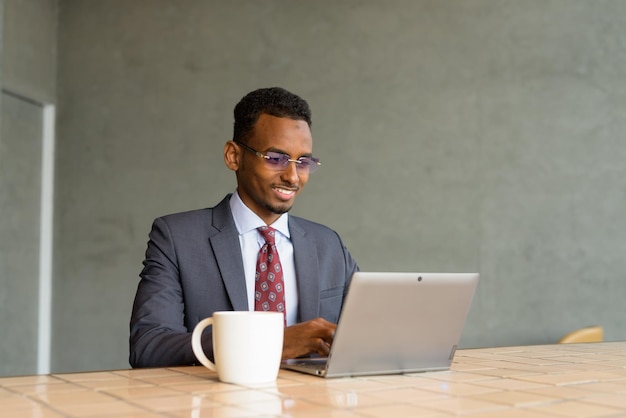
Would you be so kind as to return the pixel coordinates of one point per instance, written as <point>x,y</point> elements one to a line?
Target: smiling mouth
<point>284,191</point>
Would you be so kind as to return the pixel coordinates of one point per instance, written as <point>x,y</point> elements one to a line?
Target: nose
<point>290,173</point>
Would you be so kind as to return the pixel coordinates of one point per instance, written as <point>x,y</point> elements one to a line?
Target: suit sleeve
<point>158,335</point>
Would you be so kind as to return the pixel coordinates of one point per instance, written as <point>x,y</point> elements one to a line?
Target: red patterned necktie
<point>269,292</point>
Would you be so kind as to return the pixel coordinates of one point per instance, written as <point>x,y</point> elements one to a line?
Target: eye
<point>276,158</point>
<point>305,162</point>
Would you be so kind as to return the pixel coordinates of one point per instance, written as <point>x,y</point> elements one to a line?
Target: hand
<point>314,336</point>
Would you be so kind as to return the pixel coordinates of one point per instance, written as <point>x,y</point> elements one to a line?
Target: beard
<point>279,210</point>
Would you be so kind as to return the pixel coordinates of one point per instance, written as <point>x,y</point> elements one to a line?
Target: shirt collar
<point>246,220</point>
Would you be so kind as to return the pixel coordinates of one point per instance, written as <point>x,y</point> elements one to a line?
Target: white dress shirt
<point>251,241</point>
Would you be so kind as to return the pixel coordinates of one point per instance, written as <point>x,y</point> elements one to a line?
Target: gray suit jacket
<point>194,267</point>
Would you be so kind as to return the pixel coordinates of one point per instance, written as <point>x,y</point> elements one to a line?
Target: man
<point>203,261</point>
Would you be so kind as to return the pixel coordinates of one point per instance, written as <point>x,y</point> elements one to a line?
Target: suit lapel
<point>224,240</point>
<point>307,272</point>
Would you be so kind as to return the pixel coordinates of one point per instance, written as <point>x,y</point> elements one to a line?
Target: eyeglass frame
<point>283,162</point>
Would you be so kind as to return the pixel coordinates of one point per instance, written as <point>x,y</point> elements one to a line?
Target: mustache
<point>293,187</point>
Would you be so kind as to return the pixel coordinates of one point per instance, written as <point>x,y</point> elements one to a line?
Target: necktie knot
<point>269,234</point>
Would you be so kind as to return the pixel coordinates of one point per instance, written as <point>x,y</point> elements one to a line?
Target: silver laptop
<point>396,323</point>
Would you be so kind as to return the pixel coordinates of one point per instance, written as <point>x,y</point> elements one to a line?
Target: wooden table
<point>569,380</point>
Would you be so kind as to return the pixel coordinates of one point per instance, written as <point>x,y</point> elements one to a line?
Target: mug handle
<point>196,343</point>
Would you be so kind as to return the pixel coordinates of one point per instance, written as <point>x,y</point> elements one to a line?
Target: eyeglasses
<point>279,161</point>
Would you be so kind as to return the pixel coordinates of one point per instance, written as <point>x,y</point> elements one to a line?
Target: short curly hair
<point>274,101</point>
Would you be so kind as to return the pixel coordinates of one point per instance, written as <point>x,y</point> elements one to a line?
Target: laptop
<point>396,323</point>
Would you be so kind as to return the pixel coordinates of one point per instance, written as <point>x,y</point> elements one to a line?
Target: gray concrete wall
<point>29,54</point>
<point>475,135</point>
<point>28,34</point>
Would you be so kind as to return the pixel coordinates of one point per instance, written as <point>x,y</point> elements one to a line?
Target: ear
<point>232,156</point>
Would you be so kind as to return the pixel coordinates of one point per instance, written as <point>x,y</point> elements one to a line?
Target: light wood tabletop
<point>561,380</point>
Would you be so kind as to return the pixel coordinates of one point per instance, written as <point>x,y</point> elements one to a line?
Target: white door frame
<point>46,221</point>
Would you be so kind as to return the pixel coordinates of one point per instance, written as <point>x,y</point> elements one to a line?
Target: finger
<point>329,336</point>
<point>323,348</point>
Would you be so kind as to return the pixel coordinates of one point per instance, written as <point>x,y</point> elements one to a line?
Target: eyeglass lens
<point>281,161</point>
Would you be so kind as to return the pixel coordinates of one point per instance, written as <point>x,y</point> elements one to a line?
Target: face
<point>267,192</point>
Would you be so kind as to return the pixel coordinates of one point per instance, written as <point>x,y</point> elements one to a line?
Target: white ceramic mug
<point>247,345</point>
